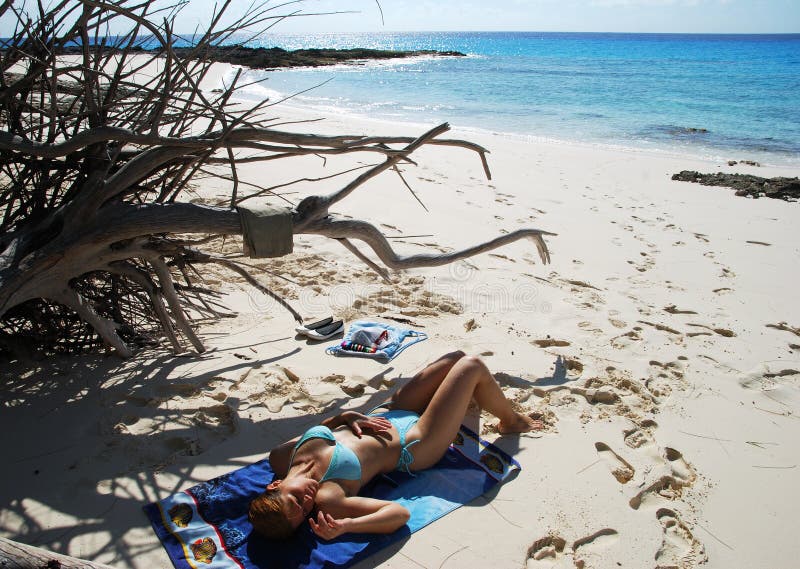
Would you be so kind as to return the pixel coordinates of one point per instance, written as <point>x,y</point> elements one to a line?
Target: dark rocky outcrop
<point>745,162</point>
<point>688,130</point>
<point>746,184</point>
<point>275,57</point>
<point>271,58</point>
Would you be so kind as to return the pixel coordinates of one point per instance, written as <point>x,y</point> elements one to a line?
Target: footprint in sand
<point>572,368</point>
<point>782,373</point>
<point>641,435</point>
<point>620,468</point>
<point>183,446</point>
<point>545,552</point>
<point>586,552</point>
<point>408,297</point>
<point>720,331</point>
<point>665,378</point>
<point>625,340</point>
<point>681,469</point>
<point>221,418</point>
<point>626,387</point>
<point>669,486</point>
<point>679,548</point>
<point>672,309</point>
<point>550,342</point>
<point>660,327</point>
<point>589,327</point>
<point>613,318</point>
<point>594,395</point>
<point>763,379</point>
<point>785,327</point>
<point>665,487</point>
<point>646,262</point>
<point>589,551</point>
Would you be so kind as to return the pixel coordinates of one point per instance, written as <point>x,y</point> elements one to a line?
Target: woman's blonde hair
<point>267,516</point>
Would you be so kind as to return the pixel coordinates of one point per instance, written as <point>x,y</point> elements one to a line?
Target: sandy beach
<point>661,347</point>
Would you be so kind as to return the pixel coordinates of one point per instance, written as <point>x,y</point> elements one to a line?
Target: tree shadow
<point>511,443</point>
<point>560,376</point>
<point>80,469</point>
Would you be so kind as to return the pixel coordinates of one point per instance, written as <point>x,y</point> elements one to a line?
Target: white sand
<point>696,458</point>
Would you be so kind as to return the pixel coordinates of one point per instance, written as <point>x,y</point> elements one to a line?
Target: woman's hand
<point>326,527</point>
<point>358,422</point>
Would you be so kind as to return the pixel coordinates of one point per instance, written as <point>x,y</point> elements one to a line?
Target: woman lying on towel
<point>321,472</point>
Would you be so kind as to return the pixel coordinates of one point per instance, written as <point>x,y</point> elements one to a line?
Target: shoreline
<point>620,89</point>
<point>713,161</point>
<point>787,163</point>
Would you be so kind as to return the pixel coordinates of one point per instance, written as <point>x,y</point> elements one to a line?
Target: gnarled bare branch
<point>107,329</point>
<point>369,234</point>
<point>173,301</point>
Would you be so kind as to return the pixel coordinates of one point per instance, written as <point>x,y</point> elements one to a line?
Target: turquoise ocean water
<point>727,96</point>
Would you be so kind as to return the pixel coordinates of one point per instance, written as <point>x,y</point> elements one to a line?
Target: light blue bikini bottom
<point>402,420</point>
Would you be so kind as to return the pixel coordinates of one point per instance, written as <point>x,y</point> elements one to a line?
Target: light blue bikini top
<point>344,462</point>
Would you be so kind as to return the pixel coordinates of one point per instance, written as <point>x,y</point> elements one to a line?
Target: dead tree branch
<point>100,148</point>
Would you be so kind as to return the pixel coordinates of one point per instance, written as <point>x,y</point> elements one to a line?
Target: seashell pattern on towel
<point>204,550</point>
<point>492,463</point>
<point>180,514</point>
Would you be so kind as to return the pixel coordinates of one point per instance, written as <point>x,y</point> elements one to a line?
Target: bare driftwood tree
<point>96,230</point>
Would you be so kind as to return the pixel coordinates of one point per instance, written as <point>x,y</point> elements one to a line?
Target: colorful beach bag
<point>375,340</point>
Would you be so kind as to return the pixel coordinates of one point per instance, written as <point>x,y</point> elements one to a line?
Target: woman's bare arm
<point>357,514</point>
<point>279,457</point>
<point>357,422</point>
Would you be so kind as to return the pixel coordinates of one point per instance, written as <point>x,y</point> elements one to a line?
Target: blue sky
<point>697,16</point>
<point>694,16</point>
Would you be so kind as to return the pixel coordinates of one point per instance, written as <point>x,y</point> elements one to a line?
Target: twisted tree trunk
<point>95,163</point>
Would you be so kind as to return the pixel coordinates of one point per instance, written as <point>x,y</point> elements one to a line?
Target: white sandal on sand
<point>317,331</point>
<point>326,332</point>
<point>305,328</point>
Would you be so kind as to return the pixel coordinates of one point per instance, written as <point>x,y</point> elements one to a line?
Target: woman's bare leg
<point>417,393</point>
<point>468,378</point>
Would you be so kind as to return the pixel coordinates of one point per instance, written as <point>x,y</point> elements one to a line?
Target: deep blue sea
<point>728,96</point>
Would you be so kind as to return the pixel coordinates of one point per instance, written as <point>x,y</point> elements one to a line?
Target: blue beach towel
<point>206,526</point>
<point>375,340</point>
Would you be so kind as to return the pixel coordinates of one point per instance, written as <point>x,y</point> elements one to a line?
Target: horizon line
<point>797,33</point>
<point>324,33</point>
